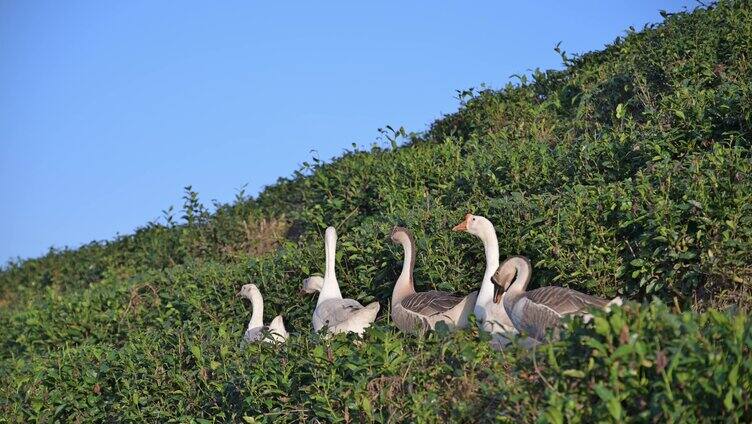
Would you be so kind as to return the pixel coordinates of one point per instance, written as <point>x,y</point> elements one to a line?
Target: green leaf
<point>603,392</point>
<point>573,373</point>
<point>367,408</point>
<point>612,402</point>
<point>623,351</point>
<point>614,407</point>
<point>601,326</point>
<point>196,351</point>
<point>554,415</point>
<point>734,375</point>
<point>728,401</point>
<point>620,110</point>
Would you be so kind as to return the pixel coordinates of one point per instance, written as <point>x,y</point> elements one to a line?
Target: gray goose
<point>533,312</point>
<point>416,312</point>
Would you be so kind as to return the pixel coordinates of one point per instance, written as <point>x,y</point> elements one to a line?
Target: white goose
<point>492,317</point>
<point>533,312</point>
<point>417,312</point>
<point>334,312</point>
<point>256,328</point>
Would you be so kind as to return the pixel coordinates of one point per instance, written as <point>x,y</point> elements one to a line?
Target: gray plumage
<point>534,312</point>
<point>256,330</point>
<point>421,311</point>
<point>432,302</point>
<point>255,334</point>
<point>344,315</point>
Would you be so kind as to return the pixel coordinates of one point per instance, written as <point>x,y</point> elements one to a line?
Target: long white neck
<point>491,246</point>
<point>405,286</point>
<point>330,288</point>
<point>257,316</point>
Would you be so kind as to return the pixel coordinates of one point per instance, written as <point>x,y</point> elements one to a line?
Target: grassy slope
<point>629,172</point>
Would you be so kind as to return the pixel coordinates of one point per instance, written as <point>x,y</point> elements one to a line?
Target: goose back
<point>536,311</point>
<point>430,302</point>
<point>344,315</point>
<point>254,334</point>
<point>268,333</point>
<point>421,311</point>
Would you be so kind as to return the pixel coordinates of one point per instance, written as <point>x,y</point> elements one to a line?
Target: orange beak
<point>462,226</point>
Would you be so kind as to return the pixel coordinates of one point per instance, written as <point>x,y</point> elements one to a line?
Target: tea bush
<point>627,173</point>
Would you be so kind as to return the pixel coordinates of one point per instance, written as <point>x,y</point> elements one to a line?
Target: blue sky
<point>108,109</point>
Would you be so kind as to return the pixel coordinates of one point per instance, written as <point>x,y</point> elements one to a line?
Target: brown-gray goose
<point>535,311</point>
<point>416,312</point>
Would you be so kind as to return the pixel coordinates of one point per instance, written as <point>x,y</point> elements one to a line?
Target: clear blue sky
<point>107,109</point>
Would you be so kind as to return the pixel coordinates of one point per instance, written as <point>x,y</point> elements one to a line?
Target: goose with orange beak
<point>492,317</point>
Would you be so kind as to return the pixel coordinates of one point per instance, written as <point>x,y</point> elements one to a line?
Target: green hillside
<point>629,173</point>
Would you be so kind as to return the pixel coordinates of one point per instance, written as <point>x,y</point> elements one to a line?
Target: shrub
<point>627,173</point>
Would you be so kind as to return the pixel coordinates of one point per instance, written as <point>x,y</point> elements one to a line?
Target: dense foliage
<point>629,172</point>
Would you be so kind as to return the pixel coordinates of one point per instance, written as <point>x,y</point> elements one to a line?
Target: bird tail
<point>613,302</point>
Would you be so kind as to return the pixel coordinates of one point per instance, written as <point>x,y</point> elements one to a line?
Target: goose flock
<point>503,306</point>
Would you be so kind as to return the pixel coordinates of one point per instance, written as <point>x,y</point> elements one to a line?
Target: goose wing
<point>253,334</point>
<point>534,318</point>
<point>334,311</point>
<point>431,302</point>
<point>538,310</point>
<point>565,301</point>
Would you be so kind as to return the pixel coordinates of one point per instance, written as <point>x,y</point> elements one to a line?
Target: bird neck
<point>491,247</point>
<point>257,315</point>
<point>405,285</point>
<point>518,286</point>
<point>330,288</point>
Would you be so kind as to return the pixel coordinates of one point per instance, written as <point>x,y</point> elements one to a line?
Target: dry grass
<point>258,236</point>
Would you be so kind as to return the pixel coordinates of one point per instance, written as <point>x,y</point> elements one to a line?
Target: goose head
<point>401,235</point>
<point>249,290</point>
<point>312,284</point>
<point>475,225</point>
<point>508,273</point>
